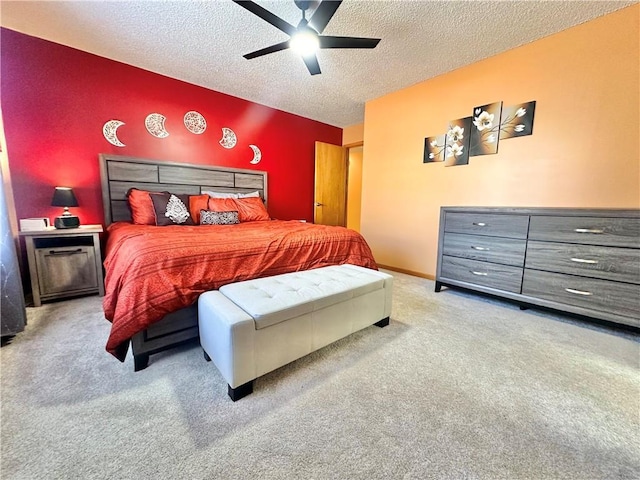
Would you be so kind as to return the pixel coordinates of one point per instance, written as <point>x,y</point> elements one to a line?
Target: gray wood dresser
<point>582,261</point>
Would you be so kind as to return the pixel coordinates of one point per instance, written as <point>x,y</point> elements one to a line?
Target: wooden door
<point>330,198</point>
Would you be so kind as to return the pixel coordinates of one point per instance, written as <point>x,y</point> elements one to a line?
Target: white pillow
<point>249,195</point>
<point>220,194</point>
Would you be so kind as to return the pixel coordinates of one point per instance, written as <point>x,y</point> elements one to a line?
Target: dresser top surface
<point>569,212</point>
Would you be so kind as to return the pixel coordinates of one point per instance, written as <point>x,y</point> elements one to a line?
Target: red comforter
<point>152,271</point>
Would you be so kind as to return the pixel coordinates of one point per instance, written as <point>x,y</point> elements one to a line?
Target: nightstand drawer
<point>502,277</point>
<point>589,293</point>
<point>66,269</point>
<point>615,232</point>
<point>510,226</point>
<point>607,263</point>
<point>508,251</point>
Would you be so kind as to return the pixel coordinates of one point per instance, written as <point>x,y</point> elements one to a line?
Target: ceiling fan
<point>306,38</point>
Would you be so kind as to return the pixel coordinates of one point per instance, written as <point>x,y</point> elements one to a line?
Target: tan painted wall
<point>353,134</point>
<point>584,151</point>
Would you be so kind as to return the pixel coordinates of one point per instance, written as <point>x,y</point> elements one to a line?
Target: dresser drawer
<point>493,225</point>
<point>608,263</point>
<point>508,251</point>
<point>501,277</point>
<point>593,294</point>
<point>615,232</point>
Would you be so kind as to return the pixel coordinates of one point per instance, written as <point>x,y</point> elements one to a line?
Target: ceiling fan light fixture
<point>305,42</point>
<point>306,39</point>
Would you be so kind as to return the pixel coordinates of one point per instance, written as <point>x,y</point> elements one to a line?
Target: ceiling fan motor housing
<point>303,4</point>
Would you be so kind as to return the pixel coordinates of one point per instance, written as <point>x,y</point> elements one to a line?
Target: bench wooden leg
<point>382,323</point>
<point>241,391</point>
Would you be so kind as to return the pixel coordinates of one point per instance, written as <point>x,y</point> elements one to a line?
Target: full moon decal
<point>195,122</point>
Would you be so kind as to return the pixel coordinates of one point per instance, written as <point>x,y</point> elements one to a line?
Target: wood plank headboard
<point>119,173</point>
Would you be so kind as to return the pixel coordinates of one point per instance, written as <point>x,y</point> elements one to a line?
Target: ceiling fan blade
<point>264,51</point>
<point>267,16</point>
<point>312,64</point>
<point>347,42</point>
<point>323,14</point>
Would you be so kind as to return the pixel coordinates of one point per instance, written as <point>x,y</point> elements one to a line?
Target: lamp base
<point>67,221</point>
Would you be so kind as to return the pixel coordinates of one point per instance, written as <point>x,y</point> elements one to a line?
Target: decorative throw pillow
<point>171,209</point>
<point>222,204</point>
<point>141,206</point>
<point>251,209</point>
<point>209,217</point>
<point>197,203</point>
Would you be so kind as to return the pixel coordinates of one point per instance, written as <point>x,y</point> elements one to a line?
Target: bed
<point>154,274</point>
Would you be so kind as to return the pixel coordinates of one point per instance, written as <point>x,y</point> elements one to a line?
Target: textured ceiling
<point>202,42</point>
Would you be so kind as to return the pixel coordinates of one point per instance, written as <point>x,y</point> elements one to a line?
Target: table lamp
<point>64,197</point>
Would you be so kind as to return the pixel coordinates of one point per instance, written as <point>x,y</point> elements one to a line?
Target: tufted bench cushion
<point>250,328</point>
<point>276,299</point>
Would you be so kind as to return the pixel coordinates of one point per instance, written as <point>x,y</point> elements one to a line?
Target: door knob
<point>318,204</point>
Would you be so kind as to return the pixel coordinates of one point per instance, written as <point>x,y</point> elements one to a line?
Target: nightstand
<point>64,262</point>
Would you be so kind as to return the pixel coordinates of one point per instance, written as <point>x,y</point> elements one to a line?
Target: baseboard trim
<point>408,272</point>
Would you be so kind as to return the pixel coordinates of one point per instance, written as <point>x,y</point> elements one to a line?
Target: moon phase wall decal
<point>229,138</point>
<point>110,132</point>
<point>257,154</point>
<point>195,122</point>
<point>155,125</point>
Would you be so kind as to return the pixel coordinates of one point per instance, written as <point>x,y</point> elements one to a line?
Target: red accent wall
<point>56,99</point>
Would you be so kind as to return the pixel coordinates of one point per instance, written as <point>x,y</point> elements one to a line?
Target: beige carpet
<point>458,386</point>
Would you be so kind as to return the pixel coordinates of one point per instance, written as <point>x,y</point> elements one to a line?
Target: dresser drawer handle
<point>482,274</point>
<point>64,252</point>
<point>578,292</point>
<point>584,260</point>
<point>588,230</point>
<point>481,249</point>
<point>480,224</point>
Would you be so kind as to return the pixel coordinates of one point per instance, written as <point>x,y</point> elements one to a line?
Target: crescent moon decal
<point>155,125</point>
<point>110,132</point>
<point>229,138</point>
<point>195,122</point>
<point>257,154</point>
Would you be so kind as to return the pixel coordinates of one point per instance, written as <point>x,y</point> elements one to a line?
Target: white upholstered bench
<point>253,327</point>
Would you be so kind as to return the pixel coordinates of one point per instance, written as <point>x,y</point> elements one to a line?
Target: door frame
<point>350,193</point>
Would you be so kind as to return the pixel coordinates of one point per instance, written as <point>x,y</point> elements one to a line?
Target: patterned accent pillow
<point>171,209</point>
<point>210,217</point>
